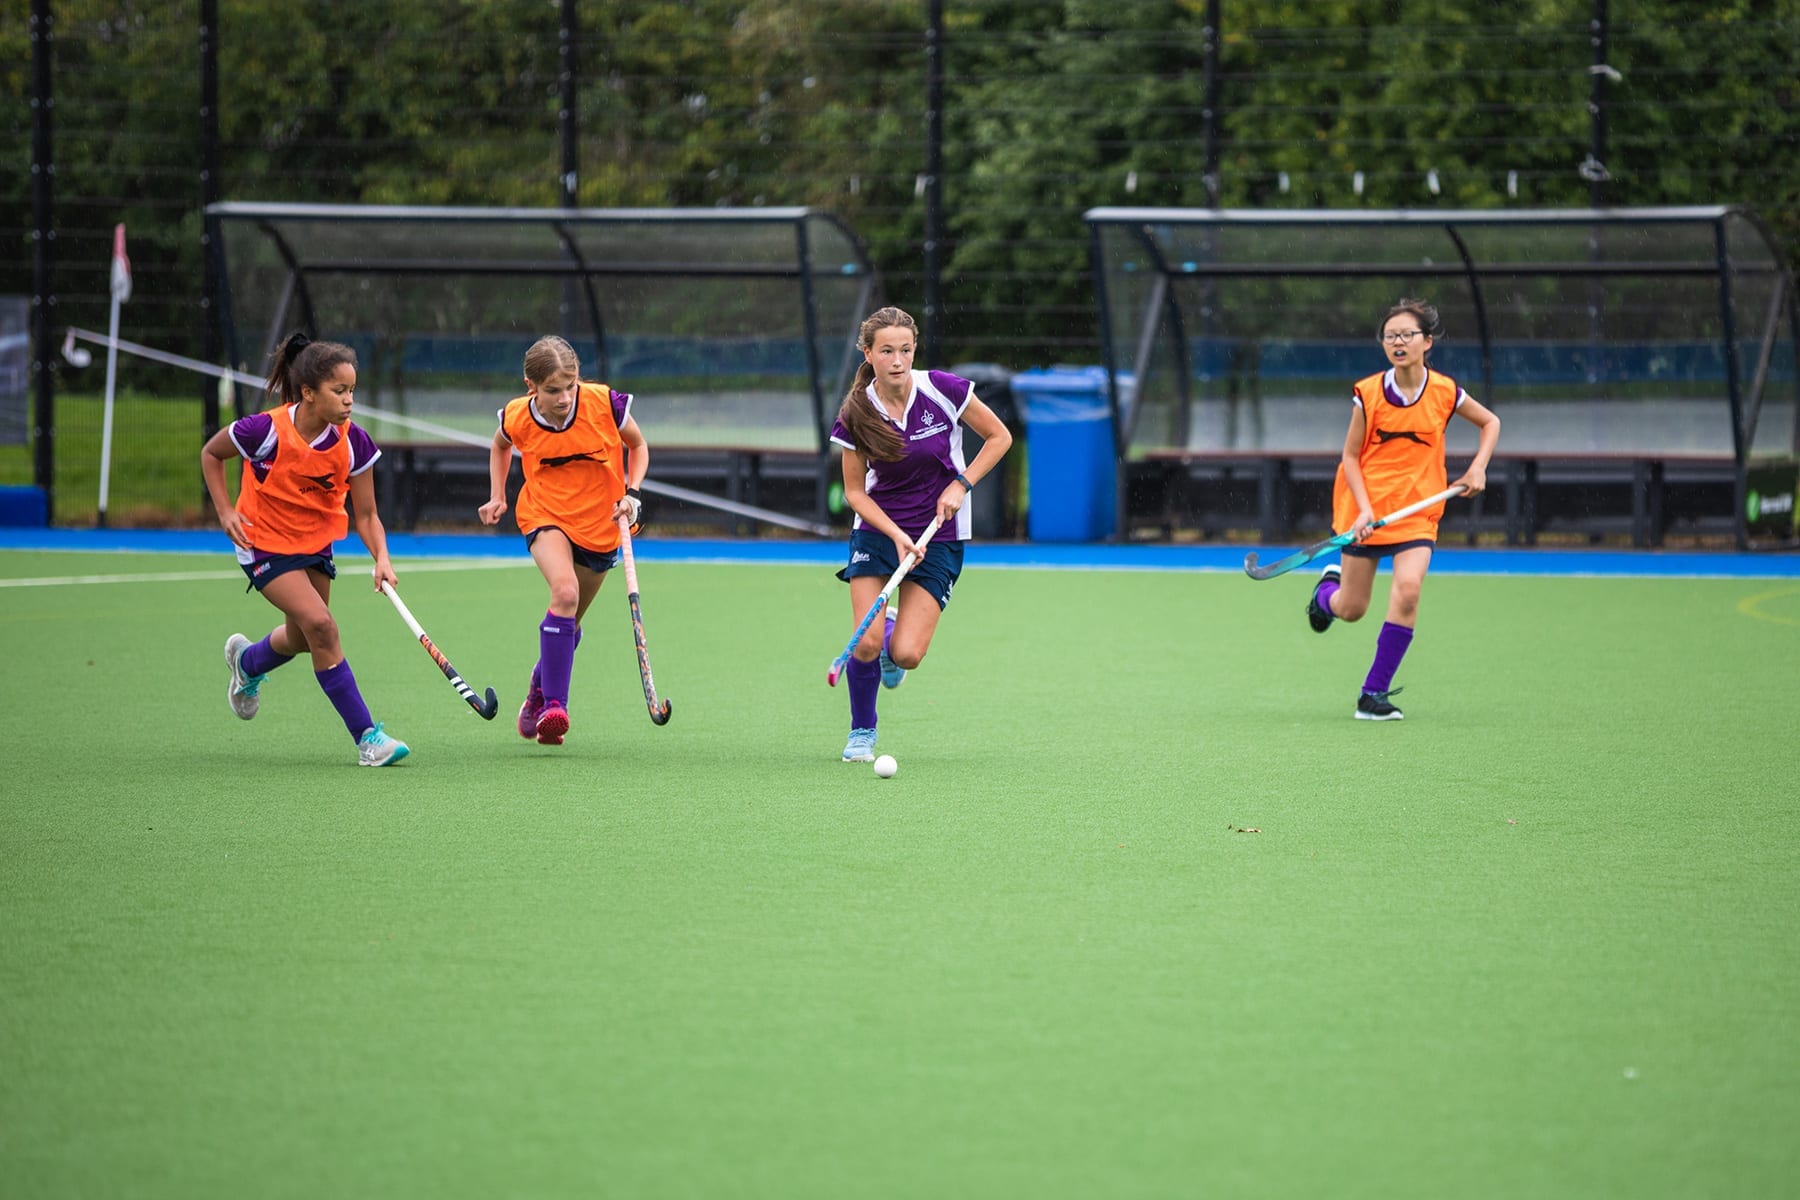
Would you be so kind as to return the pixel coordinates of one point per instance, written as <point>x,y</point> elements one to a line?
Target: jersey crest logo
<point>1388,435</point>
<point>563,460</point>
<point>325,483</point>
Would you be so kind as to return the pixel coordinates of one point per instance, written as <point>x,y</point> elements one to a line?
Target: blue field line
<point>1093,556</point>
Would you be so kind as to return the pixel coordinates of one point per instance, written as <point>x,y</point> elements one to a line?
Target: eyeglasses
<point>1402,336</point>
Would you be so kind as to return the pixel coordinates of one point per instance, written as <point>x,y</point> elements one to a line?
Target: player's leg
<point>1349,600</point>
<point>555,558</point>
<point>248,662</point>
<point>304,598</point>
<point>892,673</point>
<point>1391,644</point>
<point>1318,605</point>
<point>917,623</point>
<point>863,672</point>
<point>1409,569</point>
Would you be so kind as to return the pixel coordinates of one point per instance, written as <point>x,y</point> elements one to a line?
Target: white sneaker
<point>244,688</point>
<point>376,749</point>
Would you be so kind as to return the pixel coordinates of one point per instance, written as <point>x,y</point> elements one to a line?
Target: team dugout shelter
<point>1642,362</point>
<point>734,329</point>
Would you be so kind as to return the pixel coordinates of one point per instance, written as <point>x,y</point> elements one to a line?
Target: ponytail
<point>875,437</point>
<point>299,363</point>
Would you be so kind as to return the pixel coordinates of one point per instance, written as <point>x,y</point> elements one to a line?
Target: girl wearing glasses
<point>1393,457</point>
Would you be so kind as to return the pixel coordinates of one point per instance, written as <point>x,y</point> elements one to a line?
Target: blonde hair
<point>547,356</point>
<point>874,437</point>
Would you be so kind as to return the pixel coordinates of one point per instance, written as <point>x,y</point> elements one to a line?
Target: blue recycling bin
<point>24,506</point>
<point>1072,469</point>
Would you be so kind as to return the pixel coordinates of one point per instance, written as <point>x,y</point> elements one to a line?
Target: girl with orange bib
<point>1393,457</point>
<point>573,438</point>
<point>303,458</point>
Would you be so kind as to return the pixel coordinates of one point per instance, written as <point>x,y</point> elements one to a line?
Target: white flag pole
<point>121,292</point>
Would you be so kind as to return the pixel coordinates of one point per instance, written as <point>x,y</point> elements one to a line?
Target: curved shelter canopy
<point>1655,332</point>
<point>736,327</point>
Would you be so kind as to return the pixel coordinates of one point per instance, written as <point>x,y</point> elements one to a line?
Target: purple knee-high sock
<point>865,684</point>
<point>1390,648</point>
<point>1328,587</point>
<point>340,688</point>
<point>556,657</point>
<point>537,668</point>
<point>261,658</point>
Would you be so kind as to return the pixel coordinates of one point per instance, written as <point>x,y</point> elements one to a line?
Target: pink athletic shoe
<point>552,723</point>
<point>529,712</point>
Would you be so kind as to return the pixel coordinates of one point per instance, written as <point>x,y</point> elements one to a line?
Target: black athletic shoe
<point>1316,613</point>
<point>1375,706</point>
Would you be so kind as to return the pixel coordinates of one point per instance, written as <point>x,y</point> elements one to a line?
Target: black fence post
<point>43,258</point>
<point>211,338</point>
<point>567,120</point>
<point>934,176</point>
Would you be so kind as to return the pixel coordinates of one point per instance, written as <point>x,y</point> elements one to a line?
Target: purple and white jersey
<point>254,437</point>
<point>931,427</point>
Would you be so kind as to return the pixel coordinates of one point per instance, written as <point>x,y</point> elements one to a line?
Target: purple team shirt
<point>908,490</point>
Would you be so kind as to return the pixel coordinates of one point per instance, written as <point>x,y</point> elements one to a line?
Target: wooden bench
<point>1528,494</point>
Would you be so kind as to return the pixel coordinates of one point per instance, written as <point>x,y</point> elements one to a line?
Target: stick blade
<point>489,706</point>
<point>660,716</point>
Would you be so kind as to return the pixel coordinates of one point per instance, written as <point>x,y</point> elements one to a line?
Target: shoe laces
<point>1382,696</point>
<point>252,683</point>
<point>377,736</point>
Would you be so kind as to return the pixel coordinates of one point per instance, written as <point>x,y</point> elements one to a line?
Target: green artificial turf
<point>1143,913</point>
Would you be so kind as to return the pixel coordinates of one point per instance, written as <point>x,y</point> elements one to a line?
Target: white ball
<point>885,766</point>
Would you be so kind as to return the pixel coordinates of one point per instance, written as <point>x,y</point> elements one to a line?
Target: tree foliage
<point>1051,108</point>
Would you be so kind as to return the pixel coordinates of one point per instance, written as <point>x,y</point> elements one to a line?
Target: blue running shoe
<point>891,675</point>
<point>244,688</point>
<point>861,746</point>
<point>376,749</point>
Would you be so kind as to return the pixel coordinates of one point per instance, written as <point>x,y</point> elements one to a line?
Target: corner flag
<point>121,267</point>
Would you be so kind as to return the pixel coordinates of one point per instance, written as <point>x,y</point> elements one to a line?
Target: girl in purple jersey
<point>302,460</point>
<point>901,431</point>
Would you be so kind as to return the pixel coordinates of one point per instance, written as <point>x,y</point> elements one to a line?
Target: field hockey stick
<point>659,711</point>
<point>1300,558</point>
<point>881,602</point>
<point>485,707</point>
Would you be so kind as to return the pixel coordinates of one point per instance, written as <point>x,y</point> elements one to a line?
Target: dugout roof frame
<point>546,243</point>
<point>1131,339</point>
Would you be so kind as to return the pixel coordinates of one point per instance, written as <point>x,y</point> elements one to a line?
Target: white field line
<point>344,571</point>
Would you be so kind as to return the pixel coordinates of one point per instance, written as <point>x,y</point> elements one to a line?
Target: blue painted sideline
<point>1083,556</point>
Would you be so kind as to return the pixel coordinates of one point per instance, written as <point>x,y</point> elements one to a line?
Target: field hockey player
<point>584,460</point>
<point>902,435</point>
<point>303,458</point>
<point>1394,457</point>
